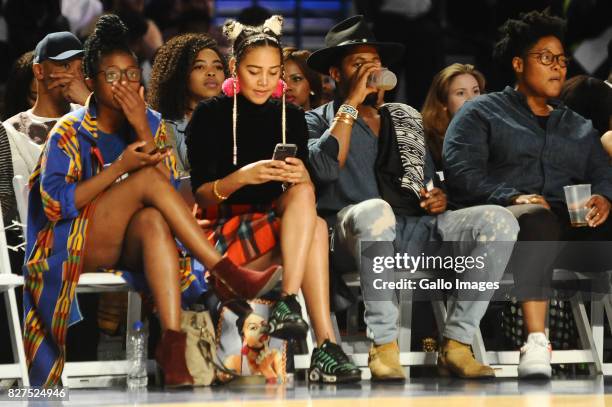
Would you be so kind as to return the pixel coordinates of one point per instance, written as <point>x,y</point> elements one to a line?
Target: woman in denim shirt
<point>518,148</point>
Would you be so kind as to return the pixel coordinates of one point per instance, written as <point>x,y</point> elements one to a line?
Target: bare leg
<point>315,285</point>
<point>534,314</point>
<point>298,217</point>
<point>116,206</point>
<point>149,245</point>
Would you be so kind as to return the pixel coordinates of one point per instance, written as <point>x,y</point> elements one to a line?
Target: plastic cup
<point>576,197</point>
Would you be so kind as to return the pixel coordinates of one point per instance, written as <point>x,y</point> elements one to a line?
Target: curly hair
<point>300,56</point>
<point>110,35</point>
<point>518,36</point>
<point>18,86</point>
<point>435,117</point>
<point>168,86</point>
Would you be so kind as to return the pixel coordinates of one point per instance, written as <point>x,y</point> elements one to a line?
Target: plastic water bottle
<point>136,353</point>
<point>382,79</point>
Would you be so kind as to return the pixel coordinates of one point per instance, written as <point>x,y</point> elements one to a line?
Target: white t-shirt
<point>35,127</point>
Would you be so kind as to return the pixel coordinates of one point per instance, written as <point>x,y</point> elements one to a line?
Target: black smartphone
<point>282,151</point>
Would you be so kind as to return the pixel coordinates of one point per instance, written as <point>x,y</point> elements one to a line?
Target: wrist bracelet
<point>219,197</point>
<point>345,121</point>
<point>349,110</point>
<point>345,116</point>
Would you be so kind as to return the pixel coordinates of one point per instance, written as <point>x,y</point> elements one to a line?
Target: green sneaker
<point>329,364</point>
<point>285,321</point>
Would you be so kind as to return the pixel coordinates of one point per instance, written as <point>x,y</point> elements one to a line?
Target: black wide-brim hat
<point>349,33</point>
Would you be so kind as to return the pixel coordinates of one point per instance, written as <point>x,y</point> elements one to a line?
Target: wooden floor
<point>542,400</point>
<point>424,392</point>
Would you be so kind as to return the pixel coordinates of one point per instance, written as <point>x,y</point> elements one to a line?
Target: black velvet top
<point>210,147</point>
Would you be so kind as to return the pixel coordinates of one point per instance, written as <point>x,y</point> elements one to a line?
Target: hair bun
<point>232,29</point>
<point>274,24</point>
<point>110,29</point>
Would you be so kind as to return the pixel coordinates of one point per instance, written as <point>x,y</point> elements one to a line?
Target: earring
<point>280,88</point>
<point>312,93</point>
<point>230,86</point>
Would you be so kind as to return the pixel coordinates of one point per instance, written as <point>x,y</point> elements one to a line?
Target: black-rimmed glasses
<point>113,74</point>
<point>547,58</point>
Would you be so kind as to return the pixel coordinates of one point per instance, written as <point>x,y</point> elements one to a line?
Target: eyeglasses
<point>113,74</point>
<point>547,58</point>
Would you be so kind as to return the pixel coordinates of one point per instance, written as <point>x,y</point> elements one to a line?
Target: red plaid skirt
<point>242,232</point>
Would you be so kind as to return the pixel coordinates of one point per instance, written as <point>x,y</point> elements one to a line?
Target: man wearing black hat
<point>374,181</point>
<point>60,82</point>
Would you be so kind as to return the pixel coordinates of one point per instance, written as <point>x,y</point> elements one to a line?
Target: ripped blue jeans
<point>475,231</point>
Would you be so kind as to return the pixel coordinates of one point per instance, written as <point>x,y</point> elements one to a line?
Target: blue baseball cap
<point>58,46</point>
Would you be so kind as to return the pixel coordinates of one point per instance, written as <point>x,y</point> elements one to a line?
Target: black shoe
<point>329,364</point>
<point>285,321</point>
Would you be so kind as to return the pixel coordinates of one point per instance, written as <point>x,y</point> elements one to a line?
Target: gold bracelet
<point>345,116</point>
<point>345,121</point>
<point>219,197</point>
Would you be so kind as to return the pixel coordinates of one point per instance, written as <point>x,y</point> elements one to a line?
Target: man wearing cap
<point>371,168</point>
<point>60,83</point>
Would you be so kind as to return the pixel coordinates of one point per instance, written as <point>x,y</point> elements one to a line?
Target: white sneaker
<point>535,357</point>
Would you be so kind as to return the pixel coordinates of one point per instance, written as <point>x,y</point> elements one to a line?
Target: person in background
<point>57,67</point>
<point>303,84</point>
<point>519,148</point>
<point>449,90</point>
<point>21,89</point>
<point>328,89</point>
<point>189,68</point>
<point>254,218</point>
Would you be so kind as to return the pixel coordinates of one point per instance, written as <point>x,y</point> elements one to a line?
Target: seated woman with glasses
<point>86,216</point>
<point>519,148</point>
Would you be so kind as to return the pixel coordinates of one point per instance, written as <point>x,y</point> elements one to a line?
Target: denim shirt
<point>356,181</point>
<point>494,150</point>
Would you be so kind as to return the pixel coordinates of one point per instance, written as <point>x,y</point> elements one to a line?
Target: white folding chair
<point>8,283</point>
<point>92,373</point>
<point>506,362</point>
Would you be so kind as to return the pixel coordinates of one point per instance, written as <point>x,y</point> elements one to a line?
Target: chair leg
<point>16,336</point>
<point>439,311</point>
<point>584,332</point>
<point>310,341</point>
<point>597,326</point>
<point>405,320</point>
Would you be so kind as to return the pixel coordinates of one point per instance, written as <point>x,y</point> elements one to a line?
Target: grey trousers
<point>488,230</point>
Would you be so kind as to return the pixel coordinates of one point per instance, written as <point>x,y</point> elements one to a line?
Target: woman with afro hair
<point>102,198</point>
<point>519,148</point>
<point>187,69</point>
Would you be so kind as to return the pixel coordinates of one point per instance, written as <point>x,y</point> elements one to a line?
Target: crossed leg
<point>134,225</point>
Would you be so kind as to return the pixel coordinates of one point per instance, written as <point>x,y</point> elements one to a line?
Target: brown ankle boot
<point>456,358</point>
<point>170,355</point>
<point>233,282</point>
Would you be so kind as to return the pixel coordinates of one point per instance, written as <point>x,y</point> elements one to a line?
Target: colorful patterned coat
<point>56,236</point>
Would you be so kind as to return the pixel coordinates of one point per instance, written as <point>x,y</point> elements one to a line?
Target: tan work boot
<point>383,361</point>
<point>456,358</point>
